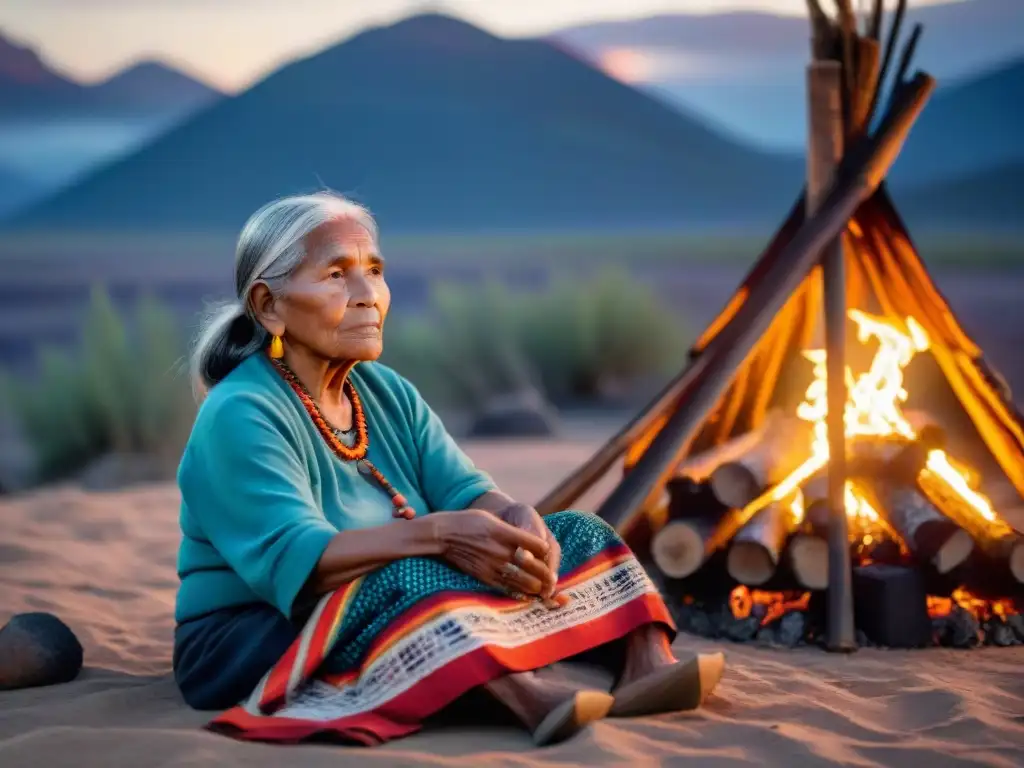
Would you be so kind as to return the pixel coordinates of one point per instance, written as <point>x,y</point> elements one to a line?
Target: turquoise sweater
<point>262,494</point>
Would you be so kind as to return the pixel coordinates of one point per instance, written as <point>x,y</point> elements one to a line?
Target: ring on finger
<point>510,571</point>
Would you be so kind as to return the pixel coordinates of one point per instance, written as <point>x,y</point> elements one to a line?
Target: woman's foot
<point>553,712</point>
<point>653,681</point>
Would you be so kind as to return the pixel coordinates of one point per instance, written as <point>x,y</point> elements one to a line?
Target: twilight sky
<point>230,43</point>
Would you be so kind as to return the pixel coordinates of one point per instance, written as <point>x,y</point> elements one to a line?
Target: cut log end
<point>734,485</point>
<point>956,549</point>
<point>808,558</point>
<point>678,550</point>
<point>750,563</point>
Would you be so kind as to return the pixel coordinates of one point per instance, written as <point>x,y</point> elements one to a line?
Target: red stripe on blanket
<point>320,643</point>
<point>275,692</point>
<point>403,714</point>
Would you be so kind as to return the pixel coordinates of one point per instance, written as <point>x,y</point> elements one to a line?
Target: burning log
<point>682,545</point>
<point>873,456</point>
<point>701,466</point>
<point>927,532</point>
<point>756,548</point>
<point>1003,547</point>
<point>761,462</point>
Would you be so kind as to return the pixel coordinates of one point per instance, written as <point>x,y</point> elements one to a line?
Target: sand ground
<point>105,564</point>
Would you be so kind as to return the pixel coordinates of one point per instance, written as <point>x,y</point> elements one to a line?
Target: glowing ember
<point>978,607</point>
<point>873,409</point>
<point>777,604</point>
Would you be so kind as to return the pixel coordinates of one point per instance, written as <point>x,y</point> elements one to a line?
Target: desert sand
<point>105,563</point>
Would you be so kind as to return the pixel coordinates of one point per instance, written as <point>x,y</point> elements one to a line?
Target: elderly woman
<point>345,569</point>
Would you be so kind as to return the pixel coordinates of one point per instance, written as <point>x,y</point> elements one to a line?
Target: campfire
<point>824,468</point>
<point>761,498</point>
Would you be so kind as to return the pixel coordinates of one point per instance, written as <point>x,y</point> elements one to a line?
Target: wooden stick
<point>866,83</point>
<point>908,54</point>
<point>848,28</point>
<point>875,23</point>
<point>823,32</point>
<point>890,47</point>
<point>828,111</point>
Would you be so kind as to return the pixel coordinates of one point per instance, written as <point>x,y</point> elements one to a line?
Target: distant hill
<point>745,69</point>
<point>438,125</point>
<point>16,189</point>
<point>967,127</point>
<point>990,200</point>
<point>30,90</point>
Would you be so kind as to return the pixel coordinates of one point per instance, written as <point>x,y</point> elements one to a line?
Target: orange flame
<point>873,409</point>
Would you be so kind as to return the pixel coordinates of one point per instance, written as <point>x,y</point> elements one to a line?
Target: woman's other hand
<point>526,518</point>
<point>478,543</point>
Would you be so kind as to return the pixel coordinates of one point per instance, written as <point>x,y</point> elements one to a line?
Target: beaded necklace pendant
<point>357,451</point>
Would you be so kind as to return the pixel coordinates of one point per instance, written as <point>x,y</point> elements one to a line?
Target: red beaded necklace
<point>357,452</point>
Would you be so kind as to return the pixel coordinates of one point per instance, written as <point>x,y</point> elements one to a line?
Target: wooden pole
<point>862,173</point>
<point>824,153</point>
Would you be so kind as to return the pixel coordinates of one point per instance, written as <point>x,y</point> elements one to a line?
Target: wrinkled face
<point>335,303</point>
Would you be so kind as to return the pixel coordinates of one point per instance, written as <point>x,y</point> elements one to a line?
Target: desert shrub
<point>119,392</point>
<point>574,339</point>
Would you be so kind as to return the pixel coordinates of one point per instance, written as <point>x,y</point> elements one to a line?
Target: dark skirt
<point>387,650</point>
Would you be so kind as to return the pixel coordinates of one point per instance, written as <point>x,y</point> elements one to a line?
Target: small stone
<point>766,635</point>
<point>791,629</point>
<point>1000,633</point>
<point>863,641</point>
<point>963,629</point>
<point>1016,623</point>
<point>742,630</point>
<point>700,624</point>
<point>37,649</point>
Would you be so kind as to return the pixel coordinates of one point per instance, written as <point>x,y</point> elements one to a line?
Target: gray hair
<point>270,249</point>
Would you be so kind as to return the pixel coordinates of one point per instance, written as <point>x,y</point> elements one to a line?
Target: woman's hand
<point>526,518</point>
<point>478,543</point>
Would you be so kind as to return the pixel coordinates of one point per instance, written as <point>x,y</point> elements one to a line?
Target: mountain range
<point>53,128</point>
<point>447,126</point>
<point>31,90</point>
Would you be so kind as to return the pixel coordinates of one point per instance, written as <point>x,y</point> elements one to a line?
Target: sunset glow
<point>626,65</point>
<point>230,43</point>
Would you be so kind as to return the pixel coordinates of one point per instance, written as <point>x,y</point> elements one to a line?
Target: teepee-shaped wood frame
<point>843,241</point>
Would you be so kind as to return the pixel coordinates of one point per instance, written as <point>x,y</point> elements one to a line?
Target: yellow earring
<point>276,348</point>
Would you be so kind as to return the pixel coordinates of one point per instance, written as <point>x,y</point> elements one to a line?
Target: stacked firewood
<point>715,503</point>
